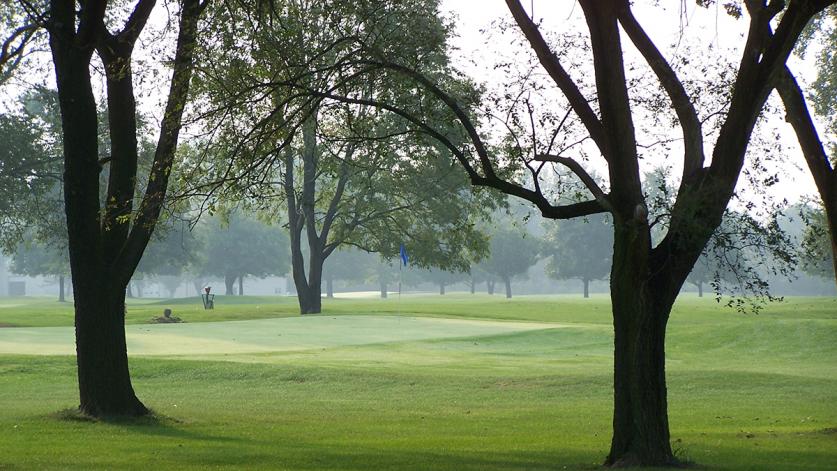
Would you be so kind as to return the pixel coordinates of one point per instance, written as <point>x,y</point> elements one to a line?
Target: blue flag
<point>403,255</point>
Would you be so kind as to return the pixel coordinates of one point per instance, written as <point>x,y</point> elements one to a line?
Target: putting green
<point>263,335</point>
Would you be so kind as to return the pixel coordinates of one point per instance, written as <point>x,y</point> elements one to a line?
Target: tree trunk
<point>473,286</point>
<point>241,285</point>
<point>640,314</point>
<point>229,284</point>
<point>700,289</point>
<point>61,288</point>
<point>507,281</point>
<point>831,216</point>
<point>441,288</point>
<point>489,285</point>
<point>586,287</point>
<point>329,287</point>
<point>302,214</point>
<point>129,291</point>
<point>103,255</point>
<point>310,300</point>
<point>101,354</point>
<point>383,290</point>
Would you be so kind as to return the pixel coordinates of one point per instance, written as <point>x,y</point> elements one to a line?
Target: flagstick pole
<point>399,288</point>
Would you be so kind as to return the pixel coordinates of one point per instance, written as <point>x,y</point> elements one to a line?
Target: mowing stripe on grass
<point>264,335</point>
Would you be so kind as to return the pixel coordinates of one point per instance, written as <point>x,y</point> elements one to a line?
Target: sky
<point>671,27</point>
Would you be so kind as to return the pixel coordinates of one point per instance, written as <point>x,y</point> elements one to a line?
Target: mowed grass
<point>533,391</point>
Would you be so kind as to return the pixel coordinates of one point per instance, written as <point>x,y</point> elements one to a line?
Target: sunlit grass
<point>745,392</point>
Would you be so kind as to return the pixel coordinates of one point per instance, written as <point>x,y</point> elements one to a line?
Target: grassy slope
<point>745,392</point>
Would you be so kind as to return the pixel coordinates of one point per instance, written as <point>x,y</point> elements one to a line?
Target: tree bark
<point>61,289</point>
<point>507,281</point>
<point>302,215</point>
<point>640,314</point>
<point>229,284</point>
<point>586,287</point>
<point>101,356</point>
<point>103,251</point>
<point>825,176</point>
<point>104,380</point>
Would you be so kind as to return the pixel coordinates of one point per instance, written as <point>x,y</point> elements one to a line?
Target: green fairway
<point>427,383</point>
<point>264,335</point>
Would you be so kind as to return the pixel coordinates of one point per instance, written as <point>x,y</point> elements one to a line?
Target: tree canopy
<point>237,246</point>
<point>579,249</point>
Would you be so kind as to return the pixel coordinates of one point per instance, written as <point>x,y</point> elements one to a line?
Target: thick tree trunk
<point>640,314</point>
<point>507,281</point>
<point>586,287</point>
<point>104,380</point>
<point>640,415</point>
<point>384,293</point>
<point>241,285</point>
<point>103,255</point>
<point>61,288</point>
<point>229,284</point>
<point>831,216</point>
<point>310,300</point>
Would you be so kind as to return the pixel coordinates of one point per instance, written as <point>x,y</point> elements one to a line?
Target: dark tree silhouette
<point>107,238</point>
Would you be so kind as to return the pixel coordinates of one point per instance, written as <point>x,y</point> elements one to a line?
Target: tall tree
<point>238,246</point>
<point>30,172</point>
<point>512,252</point>
<point>816,246</point>
<point>345,173</point>
<point>35,259</point>
<point>347,265</point>
<point>821,161</point>
<point>645,277</point>
<point>580,249</point>
<point>107,238</point>
<point>442,278</point>
<point>172,250</point>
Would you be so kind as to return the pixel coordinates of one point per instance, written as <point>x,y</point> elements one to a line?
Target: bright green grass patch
<point>745,392</point>
<point>263,335</point>
<point>43,312</point>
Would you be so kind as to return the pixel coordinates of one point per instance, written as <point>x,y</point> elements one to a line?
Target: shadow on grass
<point>152,424</point>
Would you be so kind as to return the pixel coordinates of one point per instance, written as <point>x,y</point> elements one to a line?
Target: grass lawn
<point>425,383</point>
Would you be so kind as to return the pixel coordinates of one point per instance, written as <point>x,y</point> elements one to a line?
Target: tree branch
<point>556,71</point>
<point>582,174</point>
<point>689,122</point>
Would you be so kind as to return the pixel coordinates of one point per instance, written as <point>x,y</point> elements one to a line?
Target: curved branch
<point>799,117</point>
<point>582,174</point>
<point>491,180</point>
